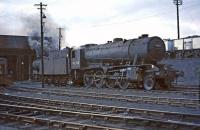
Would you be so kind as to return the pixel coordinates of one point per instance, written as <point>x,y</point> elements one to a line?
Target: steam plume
<point>32,28</point>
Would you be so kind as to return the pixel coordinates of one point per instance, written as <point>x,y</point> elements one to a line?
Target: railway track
<point>174,90</point>
<point>34,111</point>
<point>185,88</point>
<point>30,115</point>
<point>177,102</point>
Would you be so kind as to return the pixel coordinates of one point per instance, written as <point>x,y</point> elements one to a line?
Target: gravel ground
<point>18,126</point>
<point>108,102</point>
<point>104,101</point>
<point>100,101</point>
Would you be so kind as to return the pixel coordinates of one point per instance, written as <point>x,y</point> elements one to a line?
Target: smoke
<point>31,25</point>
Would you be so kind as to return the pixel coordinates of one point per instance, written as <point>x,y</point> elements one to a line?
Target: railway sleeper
<point>176,104</point>
<point>150,101</point>
<point>192,105</point>
<point>118,110</point>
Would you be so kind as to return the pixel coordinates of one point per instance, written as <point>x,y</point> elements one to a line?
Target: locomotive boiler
<point>118,63</point>
<point>151,49</point>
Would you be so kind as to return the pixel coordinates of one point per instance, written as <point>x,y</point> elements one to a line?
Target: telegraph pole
<point>60,36</point>
<point>41,8</point>
<point>177,3</point>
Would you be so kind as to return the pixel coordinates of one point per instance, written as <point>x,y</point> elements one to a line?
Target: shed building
<point>19,56</point>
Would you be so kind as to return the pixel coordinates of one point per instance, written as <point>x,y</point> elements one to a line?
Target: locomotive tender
<point>123,63</point>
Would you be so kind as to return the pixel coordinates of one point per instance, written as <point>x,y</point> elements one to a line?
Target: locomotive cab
<point>77,64</point>
<point>77,59</point>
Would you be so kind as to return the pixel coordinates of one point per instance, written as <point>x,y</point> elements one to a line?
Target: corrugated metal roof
<point>11,41</point>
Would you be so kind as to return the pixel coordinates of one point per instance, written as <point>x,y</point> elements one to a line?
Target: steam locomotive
<point>118,63</point>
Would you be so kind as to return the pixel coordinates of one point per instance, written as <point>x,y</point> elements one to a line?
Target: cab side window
<point>73,54</point>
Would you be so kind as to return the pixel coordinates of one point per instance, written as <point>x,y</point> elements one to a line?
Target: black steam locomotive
<point>122,63</point>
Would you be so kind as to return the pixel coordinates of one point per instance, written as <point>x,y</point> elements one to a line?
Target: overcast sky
<point>97,21</point>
